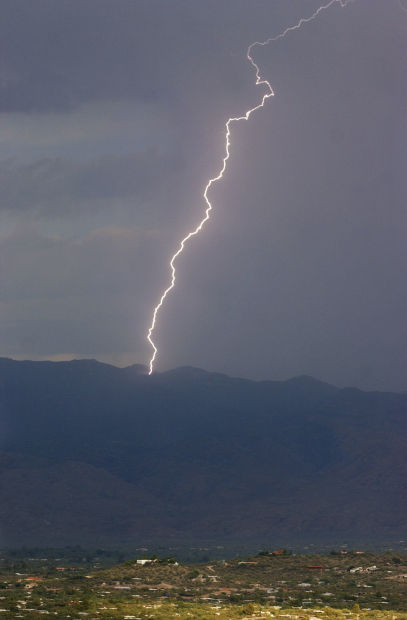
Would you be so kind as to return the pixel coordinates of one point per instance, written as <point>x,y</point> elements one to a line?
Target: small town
<point>270,584</point>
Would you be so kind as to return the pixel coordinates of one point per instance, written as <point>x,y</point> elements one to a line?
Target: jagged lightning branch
<point>269,93</point>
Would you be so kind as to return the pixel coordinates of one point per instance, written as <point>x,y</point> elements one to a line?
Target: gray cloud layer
<point>66,186</point>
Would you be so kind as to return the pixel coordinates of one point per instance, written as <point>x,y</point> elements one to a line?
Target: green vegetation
<point>348,586</point>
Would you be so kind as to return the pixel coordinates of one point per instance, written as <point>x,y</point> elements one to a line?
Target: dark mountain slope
<point>94,453</point>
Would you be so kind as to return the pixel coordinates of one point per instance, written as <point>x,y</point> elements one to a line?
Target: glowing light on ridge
<point>269,93</point>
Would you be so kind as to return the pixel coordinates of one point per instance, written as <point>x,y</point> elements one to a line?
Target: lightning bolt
<point>269,93</point>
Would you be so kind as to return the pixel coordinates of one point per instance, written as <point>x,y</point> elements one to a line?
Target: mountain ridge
<point>185,371</point>
<point>92,452</point>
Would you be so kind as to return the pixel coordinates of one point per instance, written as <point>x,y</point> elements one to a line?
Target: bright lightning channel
<point>269,93</point>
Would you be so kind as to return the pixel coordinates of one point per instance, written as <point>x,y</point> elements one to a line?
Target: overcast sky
<point>112,120</point>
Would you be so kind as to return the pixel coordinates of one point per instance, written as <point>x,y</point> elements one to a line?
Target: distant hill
<point>94,454</point>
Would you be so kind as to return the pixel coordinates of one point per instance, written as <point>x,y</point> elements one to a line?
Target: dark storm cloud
<point>57,55</point>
